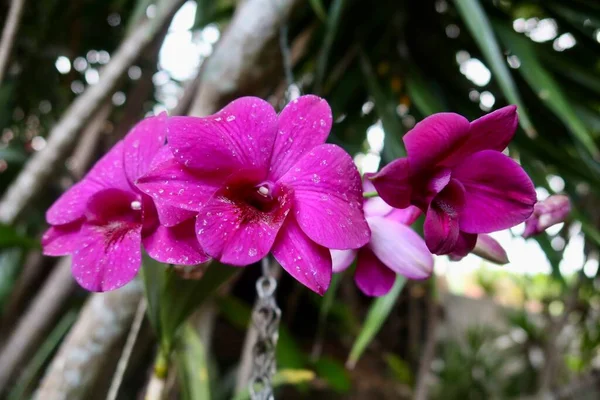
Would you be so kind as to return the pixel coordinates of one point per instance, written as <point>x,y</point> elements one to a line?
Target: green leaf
<point>317,6</point>
<point>548,90</point>
<point>479,25</point>
<point>333,372</point>
<point>9,237</point>
<point>284,377</point>
<point>399,368</point>
<point>422,93</point>
<point>172,299</point>
<point>386,109</point>
<point>378,313</point>
<point>192,364</point>
<point>333,22</point>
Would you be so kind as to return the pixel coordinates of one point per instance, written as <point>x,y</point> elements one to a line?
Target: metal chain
<point>266,316</point>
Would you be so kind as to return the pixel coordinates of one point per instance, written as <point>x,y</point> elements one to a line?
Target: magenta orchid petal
<point>393,183</point>
<point>113,204</point>
<point>493,131</point>
<point>234,232</point>
<point>108,256</point>
<point>60,240</point>
<point>499,194</point>
<point>328,198</point>
<point>175,245</point>
<point>171,184</point>
<point>241,135</point>
<point>308,262</point>
<point>303,124</point>
<point>464,245</point>
<point>342,259</point>
<point>171,216</point>
<point>489,249</point>
<point>141,145</point>
<point>372,277</point>
<point>105,174</point>
<point>406,216</point>
<point>400,248</point>
<point>434,139</point>
<point>441,227</point>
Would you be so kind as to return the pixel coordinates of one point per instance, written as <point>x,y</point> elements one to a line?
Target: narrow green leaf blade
<point>479,25</point>
<point>378,313</point>
<point>548,90</point>
<point>192,363</point>
<point>317,6</point>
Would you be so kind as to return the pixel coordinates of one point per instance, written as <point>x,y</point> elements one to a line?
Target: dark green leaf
<point>378,312</point>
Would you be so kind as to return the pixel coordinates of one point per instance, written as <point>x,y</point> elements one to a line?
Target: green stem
<point>368,195</point>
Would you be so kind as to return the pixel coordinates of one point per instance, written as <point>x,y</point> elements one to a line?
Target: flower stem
<point>368,195</point>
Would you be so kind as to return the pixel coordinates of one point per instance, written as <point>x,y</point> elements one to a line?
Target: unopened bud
<point>546,213</point>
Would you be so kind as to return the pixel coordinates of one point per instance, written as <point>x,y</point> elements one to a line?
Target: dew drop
<point>316,178</point>
<point>252,252</point>
<point>230,118</point>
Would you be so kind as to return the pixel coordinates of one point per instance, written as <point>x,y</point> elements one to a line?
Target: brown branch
<point>423,374</point>
<point>8,34</point>
<point>240,64</point>
<point>35,323</point>
<point>40,167</point>
<point>102,322</point>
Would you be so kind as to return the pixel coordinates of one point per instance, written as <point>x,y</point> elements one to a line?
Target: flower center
<point>261,196</point>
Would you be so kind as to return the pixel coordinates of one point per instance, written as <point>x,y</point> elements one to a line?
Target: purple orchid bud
<point>546,213</point>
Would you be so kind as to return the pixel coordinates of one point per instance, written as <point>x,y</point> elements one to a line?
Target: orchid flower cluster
<point>245,182</point>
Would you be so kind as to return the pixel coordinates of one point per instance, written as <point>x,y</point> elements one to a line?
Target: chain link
<point>265,316</point>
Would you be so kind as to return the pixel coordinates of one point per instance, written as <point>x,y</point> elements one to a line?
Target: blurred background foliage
<point>382,66</point>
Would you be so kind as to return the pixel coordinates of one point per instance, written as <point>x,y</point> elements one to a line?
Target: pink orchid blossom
<point>103,220</point>
<point>394,248</point>
<point>260,182</point>
<point>546,213</point>
<point>456,174</point>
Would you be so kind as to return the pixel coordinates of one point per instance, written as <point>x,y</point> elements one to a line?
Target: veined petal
<point>499,194</point>
<point>175,245</point>
<point>107,173</point>
<point>328,198</point>
<point>372,277</point>
<point>108,256</point>
<point>493,131</point>
<point>441,227</point>
<point>60,240</point>
<point>342,259</point>
<point>171,184</point>
<point>141,144</point>
<point>434,139</point>
<point>241,135</point>
<point>303,124</point>
<point>308,262</point>
<point>400,248</point>
<point>393,183</point>
<point>236,233</point>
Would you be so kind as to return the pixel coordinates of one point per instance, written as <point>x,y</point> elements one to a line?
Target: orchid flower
<point>261,182</point>
<point>103,220</point>
<point>394,248</point>
<point>546,213</point>
<point>455,172</point>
